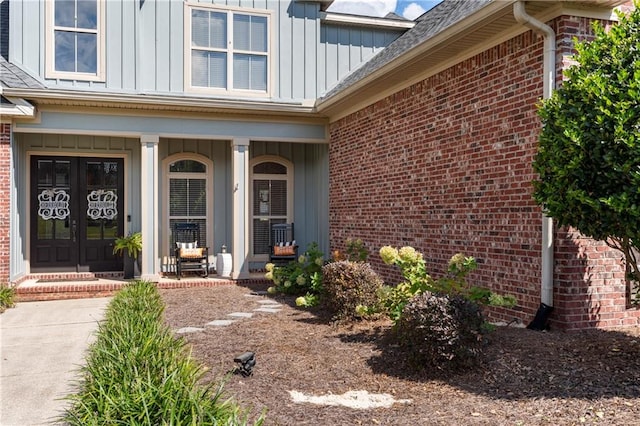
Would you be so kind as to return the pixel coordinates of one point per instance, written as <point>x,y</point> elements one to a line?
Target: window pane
<point>249,72</point>
<point>270,168</point>
<point>241,72</point>
<point>45,172</point>
<point>65,12</point>
<point>241,32</point>
<point>87,53</point>
<point>197,197</point>
<point>65,51</point>
<point>261,197</point>
<point>218,30</point>
<point>88,14</point>
<point>178,197</point>
<point>250,33</point>
<point>208,69</point>
<point>218,69</point>
<point>62,230</point>
<point>200,28</point>
<point>258,34</point>
<point>279,197</point>
<point>188,166</point>
<point>260,236</point>
<point>258,72</point>
<point>94,229</point>
<point>199,69</point>
<point>63,172</point>
<point>110,174</point>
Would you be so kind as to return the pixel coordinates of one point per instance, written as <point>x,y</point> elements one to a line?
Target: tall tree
<point>589,155</point>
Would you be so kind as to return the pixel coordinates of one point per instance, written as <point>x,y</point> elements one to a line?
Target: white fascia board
<point>20,108</point>
<point>365,21</point>
<point>162,102</point>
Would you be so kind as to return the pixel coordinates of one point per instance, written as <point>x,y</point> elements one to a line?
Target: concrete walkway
<point>42,345</point>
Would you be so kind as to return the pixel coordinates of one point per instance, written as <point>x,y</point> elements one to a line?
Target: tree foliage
<point>589,156</point>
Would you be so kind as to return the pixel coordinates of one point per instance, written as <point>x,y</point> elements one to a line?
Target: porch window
<point>228,50</point>
<point>188,195</point>
<point>272,201</point>
<point>75,39</point>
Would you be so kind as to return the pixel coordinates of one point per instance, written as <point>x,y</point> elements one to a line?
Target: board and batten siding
<point>144,46</point>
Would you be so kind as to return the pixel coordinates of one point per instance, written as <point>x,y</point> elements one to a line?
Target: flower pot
<point>129,267</point>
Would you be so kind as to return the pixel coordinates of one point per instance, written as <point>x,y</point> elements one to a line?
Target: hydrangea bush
<point>302,278</point>
<point>417,281</point>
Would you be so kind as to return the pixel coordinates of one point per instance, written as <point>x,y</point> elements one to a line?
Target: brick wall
<point>5,185</point>
<point>445,166</point>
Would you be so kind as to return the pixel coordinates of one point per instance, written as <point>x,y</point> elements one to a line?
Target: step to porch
<point>39,287</point>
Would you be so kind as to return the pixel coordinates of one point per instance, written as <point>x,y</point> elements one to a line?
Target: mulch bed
<point>526,378</point>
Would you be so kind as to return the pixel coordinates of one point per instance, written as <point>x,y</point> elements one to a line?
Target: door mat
<point>67,280</point>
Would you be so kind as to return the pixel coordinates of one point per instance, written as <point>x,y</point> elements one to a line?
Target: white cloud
<point>413,11</point>
<point>367,8</point>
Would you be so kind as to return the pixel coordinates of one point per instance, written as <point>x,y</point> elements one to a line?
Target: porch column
<point>240,213</point>
<point>149,202</point>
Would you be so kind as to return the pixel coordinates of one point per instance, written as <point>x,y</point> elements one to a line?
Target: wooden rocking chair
<point>189,257</point>
<point>283,244</point>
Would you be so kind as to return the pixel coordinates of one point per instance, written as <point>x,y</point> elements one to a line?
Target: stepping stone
<point>259,293</point>
<point>241,314</point>
<point>268,302</point>
<point>221,323</point>
<point>266,309</point>
<point>189,330</point>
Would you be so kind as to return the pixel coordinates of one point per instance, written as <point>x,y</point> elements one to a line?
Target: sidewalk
<point>42,345</point>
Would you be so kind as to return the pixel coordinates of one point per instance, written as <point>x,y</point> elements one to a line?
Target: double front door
<point>77,206</point>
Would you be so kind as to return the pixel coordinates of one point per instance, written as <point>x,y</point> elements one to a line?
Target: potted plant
<point>130,247</point>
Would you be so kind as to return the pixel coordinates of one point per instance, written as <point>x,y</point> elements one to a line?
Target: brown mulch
<point>526,378</point>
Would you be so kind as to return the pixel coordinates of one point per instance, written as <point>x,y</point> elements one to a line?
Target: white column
<point>150,206</point>
<point>240,217</point>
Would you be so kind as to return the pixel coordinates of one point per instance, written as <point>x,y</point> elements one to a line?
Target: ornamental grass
<point>138,373</point>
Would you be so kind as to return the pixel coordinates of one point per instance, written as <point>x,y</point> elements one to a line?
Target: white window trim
<point>50,61</point>
<point>289,178</point>
<point>166,163</point>
<point>188,87</point>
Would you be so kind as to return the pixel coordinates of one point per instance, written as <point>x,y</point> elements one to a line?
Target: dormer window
<point>228,50</point>
<point>75,39</point>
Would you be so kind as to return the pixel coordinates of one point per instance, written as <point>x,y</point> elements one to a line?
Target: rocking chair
<point>189,257</point>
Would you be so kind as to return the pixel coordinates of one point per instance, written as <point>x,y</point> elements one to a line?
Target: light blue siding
<point>145,46</point>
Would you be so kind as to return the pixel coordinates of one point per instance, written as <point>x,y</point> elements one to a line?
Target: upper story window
<point>75,39</point>
<point>228,50</point>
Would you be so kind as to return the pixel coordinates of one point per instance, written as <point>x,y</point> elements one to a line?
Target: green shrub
<point>356,251</point>
<point>350,289</point>
<point>442,332</point>
<point>301,277</point>
<point>7,297</point>
<point>137,373</point>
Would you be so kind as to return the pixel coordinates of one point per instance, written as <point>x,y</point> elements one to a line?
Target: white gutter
<point>519,12</point>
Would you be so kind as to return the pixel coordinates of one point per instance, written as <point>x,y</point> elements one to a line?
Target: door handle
<point>73,230</point>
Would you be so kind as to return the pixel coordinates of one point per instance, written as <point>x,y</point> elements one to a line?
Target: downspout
<point>519,12</point>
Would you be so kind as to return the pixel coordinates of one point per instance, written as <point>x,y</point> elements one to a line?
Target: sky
<point>410,9</point>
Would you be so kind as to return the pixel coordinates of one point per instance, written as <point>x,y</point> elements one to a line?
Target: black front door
<point>76,213</point>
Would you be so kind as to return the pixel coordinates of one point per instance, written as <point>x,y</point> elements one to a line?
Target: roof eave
<point>161,102</point>
<point>358,93</point>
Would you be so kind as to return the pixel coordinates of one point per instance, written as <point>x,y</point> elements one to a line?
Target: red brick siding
<point>5,187</point>
<point>445,166</point>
